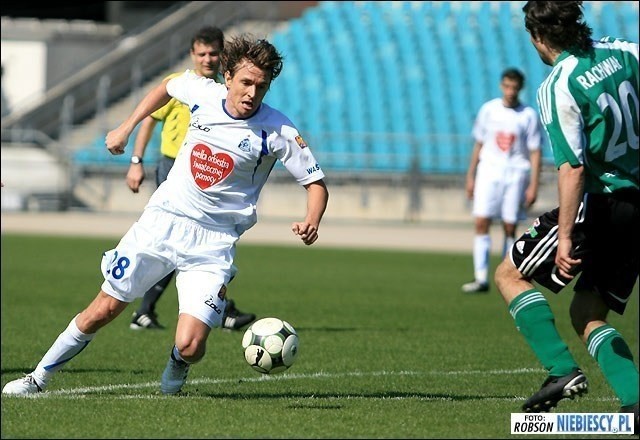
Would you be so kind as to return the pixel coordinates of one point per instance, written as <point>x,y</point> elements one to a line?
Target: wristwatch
<point>136,159</point>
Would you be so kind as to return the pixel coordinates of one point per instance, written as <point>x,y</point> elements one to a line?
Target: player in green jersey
<point>589,108</point>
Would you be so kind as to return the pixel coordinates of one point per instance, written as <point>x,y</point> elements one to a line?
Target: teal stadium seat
<point>375,82</point>
<point>96,156</point>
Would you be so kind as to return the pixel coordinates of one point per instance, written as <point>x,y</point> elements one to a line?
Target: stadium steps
<point>98,175</point>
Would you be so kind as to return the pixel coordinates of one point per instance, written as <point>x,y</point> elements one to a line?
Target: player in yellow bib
<point>206,47</point>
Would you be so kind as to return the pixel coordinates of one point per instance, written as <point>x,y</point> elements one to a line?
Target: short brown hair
<point>260,53</point>
<point>208,35</point>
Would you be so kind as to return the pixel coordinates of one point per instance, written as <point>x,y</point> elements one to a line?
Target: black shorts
<point>606,238</point>
<point>162,170</point>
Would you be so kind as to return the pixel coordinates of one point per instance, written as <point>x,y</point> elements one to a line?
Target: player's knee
<point>191,348</point>
<point>505,272</point>
<point>588,311</point>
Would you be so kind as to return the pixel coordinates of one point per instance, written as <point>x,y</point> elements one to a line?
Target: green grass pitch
<point>389,348</point>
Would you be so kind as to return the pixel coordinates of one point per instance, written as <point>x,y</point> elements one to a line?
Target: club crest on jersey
<point>245,145</point>
<point>209,168</point>
<point>301,142</point>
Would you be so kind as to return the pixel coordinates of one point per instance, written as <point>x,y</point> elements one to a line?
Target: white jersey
<point>224,162</point>
<point>507,134</point>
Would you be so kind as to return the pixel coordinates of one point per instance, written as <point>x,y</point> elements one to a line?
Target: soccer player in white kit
<point>193,220</point>
<point>504,171</point>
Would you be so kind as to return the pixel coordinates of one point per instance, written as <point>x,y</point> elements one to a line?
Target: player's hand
<point>564,261</point>
<point>135,177</point>
<point>530,197</point>
<point>307,232</point>
<point>469,187</point>
<point>116,140</point>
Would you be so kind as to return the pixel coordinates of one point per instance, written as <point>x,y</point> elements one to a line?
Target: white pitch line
<point>82,392</point>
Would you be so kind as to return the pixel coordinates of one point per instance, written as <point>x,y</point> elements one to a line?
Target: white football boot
<point>22,387</point>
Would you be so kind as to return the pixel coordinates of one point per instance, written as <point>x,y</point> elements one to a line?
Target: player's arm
<point>317,198</point>
<point>563,122</point>
<point>136,174</point>
<point>473,167</point>
<point>117,139</point>
<point>531,194</point>
<point>570,192</point>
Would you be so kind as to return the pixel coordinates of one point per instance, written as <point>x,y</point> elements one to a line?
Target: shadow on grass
<point>322,400</point>
<point>358,395</point>
<point>26,370</point>
<point>351,329</point>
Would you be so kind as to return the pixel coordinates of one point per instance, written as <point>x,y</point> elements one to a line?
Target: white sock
<point>481,248</point>
<point>508,242</point>
<point>175,354</point>
<point>69,343</point>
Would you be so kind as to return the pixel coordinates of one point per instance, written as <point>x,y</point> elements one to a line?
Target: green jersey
<point>589,109</point>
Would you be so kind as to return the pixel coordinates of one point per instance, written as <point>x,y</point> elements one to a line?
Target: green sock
<point>607,347</point>
<point>536,323</point>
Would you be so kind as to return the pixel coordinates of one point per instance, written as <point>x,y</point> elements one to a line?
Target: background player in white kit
<point>504,172</point>
<point>194,219</point>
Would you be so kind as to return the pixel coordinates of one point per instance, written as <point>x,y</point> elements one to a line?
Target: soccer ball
<point>270,345</point>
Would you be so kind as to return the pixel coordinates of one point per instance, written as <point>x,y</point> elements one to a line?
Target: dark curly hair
<point>260,53</point>
<point>514,75</point>
<point>560,24</point>
<point>208,35</point>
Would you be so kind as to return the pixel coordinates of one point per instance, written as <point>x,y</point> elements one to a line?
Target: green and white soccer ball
<point>270,345</point>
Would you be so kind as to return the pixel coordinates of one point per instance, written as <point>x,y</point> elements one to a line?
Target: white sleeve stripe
<point>564,99</point>
<point>544,96</point>
<point>554,94</point>
<point>625,46</point>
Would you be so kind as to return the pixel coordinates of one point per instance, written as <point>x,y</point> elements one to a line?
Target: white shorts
<point>500,194</point>
<point>159,243</point>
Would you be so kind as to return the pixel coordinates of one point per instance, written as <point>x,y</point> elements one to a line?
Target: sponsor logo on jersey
<point>211,302</point>
<point>196,124</point>
<point>313,169</point>
<point>245,145</point>
<point>532,229</point>
<point>301,142</point>
<point>505,140</point>
<point>209,168</point>
<point>520,246</point>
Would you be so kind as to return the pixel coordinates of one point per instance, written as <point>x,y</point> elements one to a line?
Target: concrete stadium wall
<point>359,202</point>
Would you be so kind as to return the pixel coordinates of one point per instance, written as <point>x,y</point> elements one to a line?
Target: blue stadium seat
<point>96,155</point>
<point>377,82</point>
<point>629,18</point>
<point>373,81</point>
<point>508,19</point>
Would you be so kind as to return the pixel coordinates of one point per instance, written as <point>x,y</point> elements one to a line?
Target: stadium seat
<point>386,80</point>
<point>95,155</point>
